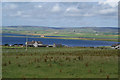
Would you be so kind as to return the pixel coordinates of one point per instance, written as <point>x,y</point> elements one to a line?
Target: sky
<point>60,14</point>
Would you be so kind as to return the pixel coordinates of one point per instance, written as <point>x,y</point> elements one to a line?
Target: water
<point>68,42</point>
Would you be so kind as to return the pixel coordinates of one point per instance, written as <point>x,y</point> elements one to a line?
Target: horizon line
<point>55,26</point>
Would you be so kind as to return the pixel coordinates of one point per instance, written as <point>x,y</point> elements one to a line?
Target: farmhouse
<point>34,44</point>
<point>16,45</point>
<point>21,45</point>
<point>57,45</point>
<point>6,44</point>
<point>42,36</point>
<point>116,46</point>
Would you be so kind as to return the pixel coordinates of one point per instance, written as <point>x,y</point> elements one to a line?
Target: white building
<point>116,46</point>
<point>34,44</point>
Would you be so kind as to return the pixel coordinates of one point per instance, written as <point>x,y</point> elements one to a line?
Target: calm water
<point>68,42</point>
<point>10,34</point>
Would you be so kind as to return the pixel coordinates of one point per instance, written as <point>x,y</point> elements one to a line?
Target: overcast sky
<point>60,14</point>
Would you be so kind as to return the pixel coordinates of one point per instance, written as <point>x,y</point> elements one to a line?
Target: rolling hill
<point>72,32</point>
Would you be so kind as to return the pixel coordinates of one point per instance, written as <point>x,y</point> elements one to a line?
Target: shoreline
<point>93,39</point>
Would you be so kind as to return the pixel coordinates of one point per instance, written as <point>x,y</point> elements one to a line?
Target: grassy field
<point>59,63</point>
<point>84,33</point>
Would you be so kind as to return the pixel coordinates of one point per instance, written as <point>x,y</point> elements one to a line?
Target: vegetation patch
<point>73,62</point>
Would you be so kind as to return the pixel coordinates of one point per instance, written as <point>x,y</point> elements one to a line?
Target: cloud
<point>112,3</point>
<point>72,9</point>
<point>26,16</point>
<point>107,11</point>
<point>56,8</point>
<point>79,15</point>
<point>88,14</point>
<point>38,6</point>
<point>10,6</point>
<point>18,13</point>
<point>53,13</point>
<point>80,10</point>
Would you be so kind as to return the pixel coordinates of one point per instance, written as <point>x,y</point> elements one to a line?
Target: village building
<point>16,45</point>
<point>50,46</point>
<point>57,45</point>
<point>42,36</point>
<point>116,46</point>
<point>34,44</point>
<point>21,45</point>
<point>6,44</point>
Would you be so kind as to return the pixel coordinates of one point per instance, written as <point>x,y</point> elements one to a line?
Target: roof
<point>39,42</point>
<point>58,44</point>
<point>114,45</point>
<point>32,42</point>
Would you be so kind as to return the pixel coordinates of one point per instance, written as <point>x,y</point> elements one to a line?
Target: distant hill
<point>93,32</point>
<point>44,27</point>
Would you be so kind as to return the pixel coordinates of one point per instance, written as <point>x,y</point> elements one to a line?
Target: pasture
<point>70,62</point>
<point>81,33</point>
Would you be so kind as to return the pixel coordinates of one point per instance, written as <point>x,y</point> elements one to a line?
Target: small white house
<point>116,46</point>
<point>34,44</point>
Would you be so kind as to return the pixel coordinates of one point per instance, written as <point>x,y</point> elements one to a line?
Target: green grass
<point>59,63</point>
<point>89,32</point>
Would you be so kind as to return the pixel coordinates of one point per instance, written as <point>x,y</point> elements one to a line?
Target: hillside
<point>72,32</point>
